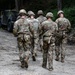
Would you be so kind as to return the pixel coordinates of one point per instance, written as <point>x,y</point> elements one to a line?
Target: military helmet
<point>40,12</point>
<point>22,11</point>
<point>60,11</point>
<point>31,13</point>
<point>49,14</point>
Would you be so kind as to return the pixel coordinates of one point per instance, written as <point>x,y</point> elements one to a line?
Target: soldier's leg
<point>57,48</point>
<point>26,55</point>
<point>45,52</point>
<point>35,48</point>
<point>32,45</point>
<point>21,51</point>
<point>62,53</point>
<point>27,47</point>
<point>41,44</point>
<point>50,57</point>
<point>63,48</point>
<point>57,52</point>
<point>26,58</point>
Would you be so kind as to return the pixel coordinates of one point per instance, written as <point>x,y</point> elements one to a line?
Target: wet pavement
<point>10,64</point>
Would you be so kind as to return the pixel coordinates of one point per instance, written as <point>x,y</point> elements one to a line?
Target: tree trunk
<point>22,6</point>
<point>59,4</point>
<point>16,5</point>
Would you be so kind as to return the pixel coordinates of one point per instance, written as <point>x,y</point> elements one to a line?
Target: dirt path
<point>10,65</point>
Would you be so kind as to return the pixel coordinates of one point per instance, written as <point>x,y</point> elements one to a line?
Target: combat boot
<point>22,64</point>
<point>36,54</point>
<point>26,62</point>
<point>50,69</point>
<point>33,57</point>
<point>57,58</point>
<point>62,60</point>
<point>44,66</point>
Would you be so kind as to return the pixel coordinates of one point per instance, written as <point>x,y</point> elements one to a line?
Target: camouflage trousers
<point>34,46</point>
<point>41,43</point>
<point>60,48</point>
<point>48,53</point>
<point>24,43</point>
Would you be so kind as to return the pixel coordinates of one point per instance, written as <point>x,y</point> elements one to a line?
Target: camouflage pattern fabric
<point>21,30</point>
<point>61,37</point>
<point>34,28</point>
<point>41,19</point>
<point>48,28</point>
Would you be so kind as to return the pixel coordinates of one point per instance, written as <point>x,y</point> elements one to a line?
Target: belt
<point>24,33</point>
<point>47,36</point>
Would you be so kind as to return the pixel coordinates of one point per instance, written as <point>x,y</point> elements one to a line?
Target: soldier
<point>21,30</point>
<point>29,14</point>
<point>48,28</point>
<point>61,36</point>
<point>40,18</point>
<point>34,28</point>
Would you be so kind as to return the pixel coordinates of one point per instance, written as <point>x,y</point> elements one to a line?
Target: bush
<point>70,14</point>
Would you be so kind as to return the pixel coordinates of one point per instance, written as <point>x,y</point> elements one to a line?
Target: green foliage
<point>68,3</point>
<point>45,5</point>
<point>55,14</point>
<point>70,14</point>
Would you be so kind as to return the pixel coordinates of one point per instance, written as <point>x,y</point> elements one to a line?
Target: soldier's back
<point>63,23</point>
<point>23,25</point>
<point>41,19</point>
<point>48,25</point>
<point>34,25</point>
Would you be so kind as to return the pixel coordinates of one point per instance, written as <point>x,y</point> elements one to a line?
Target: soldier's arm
<point>15,29</point>
<point>45,18</point>
<point>30,30</point>
<point>56,27</point>
<point>56,24</point>
<point>41,29</point>
<point>56,21</point>
<point>69,25</point>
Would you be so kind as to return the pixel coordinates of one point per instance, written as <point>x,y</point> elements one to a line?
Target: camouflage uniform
<point>34,28</point>
<point>48,28</point>
<point>21,30</point>
<point>61,36</point>
<point>41,19</point>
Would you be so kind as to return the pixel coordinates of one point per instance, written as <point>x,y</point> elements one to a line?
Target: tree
<point>59,4</point>
<point>16,5</point>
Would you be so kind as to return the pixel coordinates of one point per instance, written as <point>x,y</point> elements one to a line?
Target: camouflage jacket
<point>34,27</point>
<point>48,28</point>
<point>41,19</point>
<point>63,24</point>
<point>21,26</point>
